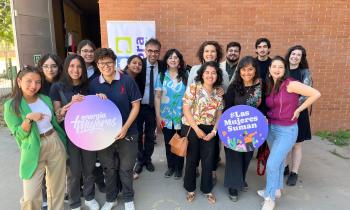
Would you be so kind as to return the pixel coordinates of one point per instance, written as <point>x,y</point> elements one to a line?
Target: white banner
<point>127,38</point>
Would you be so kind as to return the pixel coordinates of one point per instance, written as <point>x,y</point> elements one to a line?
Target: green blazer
<point>29,142</point>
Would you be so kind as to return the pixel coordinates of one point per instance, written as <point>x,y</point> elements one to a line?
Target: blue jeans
<point>281,140</point>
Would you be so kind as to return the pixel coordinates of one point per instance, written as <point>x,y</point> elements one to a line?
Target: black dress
<point>237,163</point>
<point>304,130</point>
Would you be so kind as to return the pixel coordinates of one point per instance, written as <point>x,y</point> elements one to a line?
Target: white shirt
<point>44,125</point>
<point>145,99</point>
<point>90,71</point>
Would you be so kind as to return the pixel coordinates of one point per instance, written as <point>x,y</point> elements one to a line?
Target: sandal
<point>190,196</point>
<point>211,198</point>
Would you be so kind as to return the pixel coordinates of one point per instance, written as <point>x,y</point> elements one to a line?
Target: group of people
<point>152,93</point>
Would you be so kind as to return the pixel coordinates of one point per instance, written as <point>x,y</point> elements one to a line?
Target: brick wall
<point>322,27</point>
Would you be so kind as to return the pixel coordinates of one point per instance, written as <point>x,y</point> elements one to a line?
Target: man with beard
<point>233,52</point>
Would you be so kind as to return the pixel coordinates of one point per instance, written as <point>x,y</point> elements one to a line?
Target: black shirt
<point>263,68</point>
<point>68,92</point>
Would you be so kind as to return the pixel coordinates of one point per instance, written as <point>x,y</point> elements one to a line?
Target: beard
<point>232,60</point>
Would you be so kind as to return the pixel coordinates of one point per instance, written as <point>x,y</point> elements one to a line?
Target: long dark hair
<point>237,82</point>
<point>218,49</point>
<point>66,80</point>
<point>181,73</point>
<point>58,62</point>
<point>17,93</point>
<point>199,77</point>
<point>269,80</point>
<point>303,61</point>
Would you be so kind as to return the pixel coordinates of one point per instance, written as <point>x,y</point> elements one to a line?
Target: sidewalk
<point>324,183</point>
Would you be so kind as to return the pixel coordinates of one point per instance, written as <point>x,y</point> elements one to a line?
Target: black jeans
<point>237,164</point>
<point>81,162</point>
<point>146,124</point>
<point>174,162</point>
<point>198,149</point>
<point>121,155</point>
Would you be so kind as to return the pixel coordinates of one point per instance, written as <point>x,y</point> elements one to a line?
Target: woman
<point>210,51</point>
<point>299,70</point>
<point>282,100</point>
<point>86,49</point>
<point>120,157</point>
<point>30,117</point>
<point>134,66</point>
<point>71,88</point>
<point>170,88</point>
<point>245,89</point>
<point>202,107</point>
<point>51,66</point>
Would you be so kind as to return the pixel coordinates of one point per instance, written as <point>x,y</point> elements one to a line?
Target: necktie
<point>151,87</point>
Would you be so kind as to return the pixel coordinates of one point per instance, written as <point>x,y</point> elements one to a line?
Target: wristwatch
<point>28,121</point>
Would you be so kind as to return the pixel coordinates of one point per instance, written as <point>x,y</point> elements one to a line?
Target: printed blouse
<point>171,101</point>
<point>203,106</point>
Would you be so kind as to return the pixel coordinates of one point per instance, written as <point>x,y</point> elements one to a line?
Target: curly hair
<point>237,82</point>
<point>199,77</point>
<point>218,49</point>
<point>303,62</point>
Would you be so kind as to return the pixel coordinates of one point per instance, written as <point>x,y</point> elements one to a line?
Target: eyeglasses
<point>108,64</point>
<point>49,67</point>
<point>87,51</point>
<point>156,52</point>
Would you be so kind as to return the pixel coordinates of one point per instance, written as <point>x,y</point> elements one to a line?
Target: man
<point>146,121</point>
<point>233,52</point>
<point>121,155</point>
<point>262,49</point>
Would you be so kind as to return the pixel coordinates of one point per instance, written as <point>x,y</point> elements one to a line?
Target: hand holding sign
<point>93,123</point>
<point>242,128</point>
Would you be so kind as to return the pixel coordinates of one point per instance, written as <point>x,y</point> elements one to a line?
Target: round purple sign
<point>242,128</point>
<point>93,123</point>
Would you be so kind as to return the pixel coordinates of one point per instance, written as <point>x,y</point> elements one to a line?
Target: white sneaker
<point>92,204</point>
<point>109,205</point>
<point>77,208</point>
<point>268,204</point>
<point>278,194</point>
<point>130,205</point>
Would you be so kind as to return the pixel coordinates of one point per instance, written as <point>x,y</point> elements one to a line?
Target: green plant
<point>339,138</point>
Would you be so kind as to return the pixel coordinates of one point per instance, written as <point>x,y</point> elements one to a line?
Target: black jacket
<point>141,78</point>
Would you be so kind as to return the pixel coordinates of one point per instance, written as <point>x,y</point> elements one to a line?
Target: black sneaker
<point>150,167</point>
<point>178,174</point>
<point>233,194</point>
<point>286,171</point>
<point>245,188</point>
<point>169,173</point>
<point>292,179</point>
<point>138,168</point>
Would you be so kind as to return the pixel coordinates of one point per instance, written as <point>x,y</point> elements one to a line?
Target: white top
<point>90,71</point>
<point>194,73</point>
<point>44,125</point>
<point>145,99</point>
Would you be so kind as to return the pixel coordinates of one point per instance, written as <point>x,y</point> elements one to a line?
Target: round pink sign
<point>93,123</point>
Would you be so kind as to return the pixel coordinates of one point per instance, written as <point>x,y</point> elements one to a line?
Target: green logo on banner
<point>123,45</point>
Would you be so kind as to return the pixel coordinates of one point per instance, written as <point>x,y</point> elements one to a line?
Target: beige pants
<point>52,160</point>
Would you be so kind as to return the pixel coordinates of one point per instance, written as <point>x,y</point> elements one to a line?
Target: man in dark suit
<point>146,121</point>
